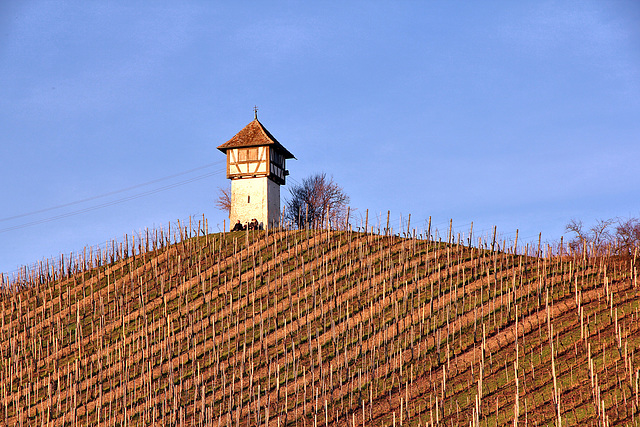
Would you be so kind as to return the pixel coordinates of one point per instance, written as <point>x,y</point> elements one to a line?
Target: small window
<point>248,199</point>
<point>242,155</point>
<point>252,154</point>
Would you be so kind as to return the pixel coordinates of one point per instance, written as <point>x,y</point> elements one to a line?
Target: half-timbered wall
<point>276,166</point>
<point>247,161</point>
<point>254,162</point>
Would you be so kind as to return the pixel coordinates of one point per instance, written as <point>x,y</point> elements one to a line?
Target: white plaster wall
<point>255,198</point>
<point>273,197</point>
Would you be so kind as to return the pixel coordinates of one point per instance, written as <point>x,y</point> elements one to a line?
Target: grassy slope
<point>297,328</point>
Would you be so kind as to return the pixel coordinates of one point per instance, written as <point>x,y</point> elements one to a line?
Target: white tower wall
<point>257,198</point>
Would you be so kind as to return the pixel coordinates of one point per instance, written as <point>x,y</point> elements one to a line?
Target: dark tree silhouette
<point>628,235</point>
<point>315,201</point>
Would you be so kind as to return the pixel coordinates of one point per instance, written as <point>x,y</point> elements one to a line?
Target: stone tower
<point>256,168</point>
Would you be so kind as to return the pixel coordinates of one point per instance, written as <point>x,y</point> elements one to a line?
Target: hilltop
<point>320,327</point>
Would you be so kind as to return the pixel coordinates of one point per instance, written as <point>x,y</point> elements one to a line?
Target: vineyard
<point>318,327</point>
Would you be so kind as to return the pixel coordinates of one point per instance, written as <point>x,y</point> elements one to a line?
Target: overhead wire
<point>110,193</point>
<point>117,201</point>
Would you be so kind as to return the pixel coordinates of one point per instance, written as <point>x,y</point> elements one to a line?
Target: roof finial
<point>255,112</point>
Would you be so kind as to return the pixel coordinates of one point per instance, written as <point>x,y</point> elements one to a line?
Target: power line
<point>110,193</point>
<point>114,202</point>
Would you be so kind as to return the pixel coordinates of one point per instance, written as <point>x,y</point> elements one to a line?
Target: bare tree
<point>315,201</point>
<point>223,202</point>
<point>600,233</point>
<point>575,226</point>
<point>628,235</point>
<point>622,240</point>
<point>596,238</point>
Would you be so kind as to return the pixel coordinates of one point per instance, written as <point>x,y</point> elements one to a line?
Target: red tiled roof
<point>252,135</point>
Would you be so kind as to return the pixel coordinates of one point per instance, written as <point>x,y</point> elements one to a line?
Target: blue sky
<point>521,115</point>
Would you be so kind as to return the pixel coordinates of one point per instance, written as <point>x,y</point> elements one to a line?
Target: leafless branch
<point>315,201</point>
<point>223,202</point>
